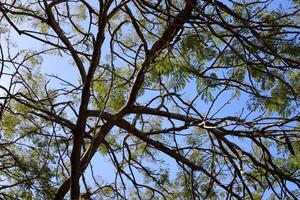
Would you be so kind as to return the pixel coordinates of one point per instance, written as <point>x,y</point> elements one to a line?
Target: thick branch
<point>167,37</point>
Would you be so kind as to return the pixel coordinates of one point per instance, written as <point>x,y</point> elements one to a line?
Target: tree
<point>176,99</point>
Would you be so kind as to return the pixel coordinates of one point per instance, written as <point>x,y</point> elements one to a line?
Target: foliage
<point>149,99</point>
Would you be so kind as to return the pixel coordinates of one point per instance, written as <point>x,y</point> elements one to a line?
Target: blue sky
<point>61,66</point>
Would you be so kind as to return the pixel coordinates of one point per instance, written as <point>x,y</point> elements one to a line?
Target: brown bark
<point>77,166</point>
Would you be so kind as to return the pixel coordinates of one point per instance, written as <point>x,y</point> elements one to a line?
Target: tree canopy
<point>144,99</point>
